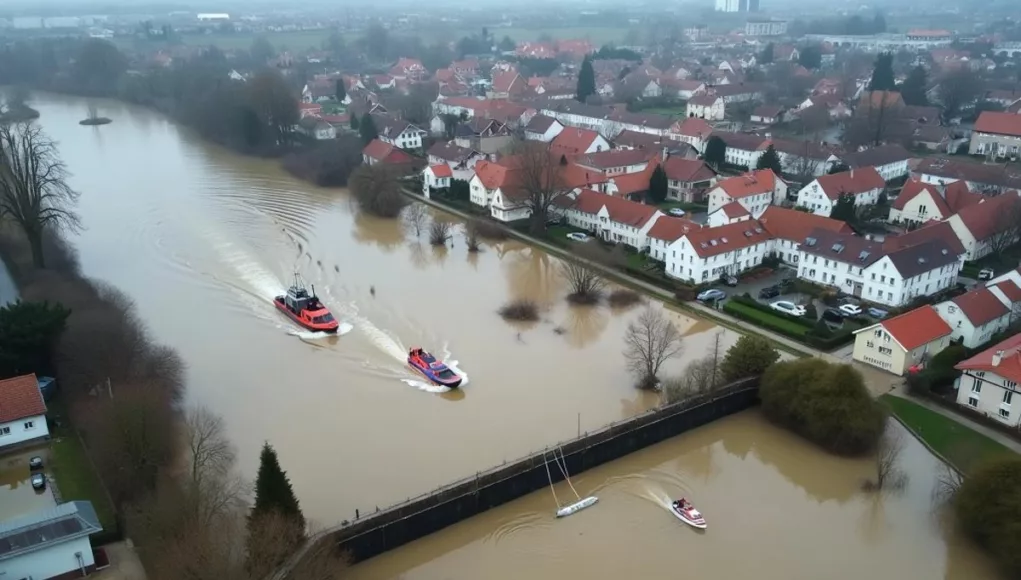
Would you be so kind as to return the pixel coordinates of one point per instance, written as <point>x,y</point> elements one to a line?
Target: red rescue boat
<point>687,513</point>
<point>304,308</point>
<point>434,370</point>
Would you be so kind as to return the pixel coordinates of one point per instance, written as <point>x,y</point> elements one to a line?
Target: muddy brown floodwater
<point>202,239</point>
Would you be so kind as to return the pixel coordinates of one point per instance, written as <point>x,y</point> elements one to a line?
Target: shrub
<point>327,164</point>
<point>471,236</point>
<point>988,507</point>
<point>749,357</point>
<point>827,404</point>
<point>810,312</point>
<point>520,311</point>
<point>439,233</point>
<point>378,191</point>
<point>623,298</point>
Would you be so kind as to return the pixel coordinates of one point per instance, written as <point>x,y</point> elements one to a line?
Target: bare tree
<point>802,166</point>
<point>416,214</point>
<point>1006,225</point>
<point>215,488</point>
<point>649,342</point>
<point>698,377</point>
<point>471,236</point>
<point>439,232</point>
<point>34,192</point>
<point>888,476</point>
<point>958,88</point>
<point>316,559</point>
<point>948,481</point>
<point>539,176</point>
<point>585,282</point>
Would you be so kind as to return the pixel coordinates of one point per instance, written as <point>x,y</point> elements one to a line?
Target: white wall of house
<point>895,170</point>
<point>787,250</point>
<point>23,430</point>
<point>506,211</point>
<point>720,218</point>
<point>683,261</point>
<point>814,198</point>
<point>429,181</point>
<point>478,193</point>
<point>918,209</point>
<point>713,112</point>
<point>602,225</point>
<point>551,132</point>
<point>963,329</point>
<point>877,347</point>
<point>973,249</point>
<point>743,157</point>
<point>799,164</point>
<point>51,561</point>
<point>880,282</point>
<point>991,394</point>
<point>755,204</point>
<point>409,138</point>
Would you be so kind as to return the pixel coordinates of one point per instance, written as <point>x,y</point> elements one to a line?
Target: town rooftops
<point>687,170</point>
<point>752,183</point>
<point>843,247</point>
<point>42,529</point>
<point>19,398</point>
<point>695,127</point>
<point>998,175</point>
<point>929,231</point>
<point>980,305</point>
<point>442,170</point>
<point>1003,358</point>
<point>791,224</point>
<point>767,111</point>
<point>615,158</point>
<point>999,123</point>
<point>708,242</point>
<point>494,175</point>
<point>620,210</point>
<point>914,328</point>
<point>385,152</point>
<point>949,199</point>
<point>573,140</point>
<point>670,228</point>
<point>450,151</point>
<point>853,182</point>
<point>743,141</point>
<point>876,156</point>
<point>704,100</point>
<point>920,258</point>
<point>638,140</point>
<point>991,215</point>
<point>1011,291</point>
<point>539,124</point>
<point>734,210</point>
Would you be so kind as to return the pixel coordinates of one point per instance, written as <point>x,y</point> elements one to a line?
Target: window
<point>972,401</point>
<point>5,430</point>
<point>870,344</point>
<point>1007,396</point>
<point>1004,413</point>
<point>976,386</point>
<point>1010,384</point>
<point>29,424</point>
<point>885,350</point>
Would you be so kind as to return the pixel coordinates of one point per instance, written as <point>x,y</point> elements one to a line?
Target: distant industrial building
<point>737,5</point>
<point>213,17</point>
<point>765,28</point>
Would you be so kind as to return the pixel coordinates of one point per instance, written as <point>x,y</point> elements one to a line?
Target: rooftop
<point>709,242</point>
<point>36,531</point>
<point>914,328</point>
<point>19,398</point>
<point>980,305</point>
<point>1003,358</point>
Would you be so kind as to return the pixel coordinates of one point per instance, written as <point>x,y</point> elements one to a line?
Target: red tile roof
<point>712,241</point>
<point>20,398</point>
<point>687,170</point>
<point>573,141</point>
<point>752,183</point>
<point>620,210</point>
<point>917,327</point>
<point>441,170</point>
<point>854,182</point>
<point>385,153</point>
<point>984,219</point>
<point>615,158</point>
<point>629,183</point>
<point>492,174</point>
<point>1010,290</point>
<point>671,228</point>
<point>980,306</point>
<point>1009,365</point>
<point>929,231</point>
<point>999,123</point>
<point>695,127</point>
<point>734,209</point>
<point>791,224</point>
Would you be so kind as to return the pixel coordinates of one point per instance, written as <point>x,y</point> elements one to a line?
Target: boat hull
<point>577,507</point>
<point>328,327</point>
<point>699,524</point>
<point>433,374</point>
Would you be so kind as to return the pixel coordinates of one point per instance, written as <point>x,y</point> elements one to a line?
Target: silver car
<point>711,295</point>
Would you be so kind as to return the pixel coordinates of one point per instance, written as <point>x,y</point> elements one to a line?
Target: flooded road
<point>776,508</point>
<point>202,239</point>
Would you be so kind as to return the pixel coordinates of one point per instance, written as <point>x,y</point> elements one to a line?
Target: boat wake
<point>262,282</point>
<point>524,522</point>
<point>311,336</point>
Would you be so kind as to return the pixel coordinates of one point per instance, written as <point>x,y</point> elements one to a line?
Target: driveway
<point>753,287</point>
<point>124,563</point>
<point>17,497</point>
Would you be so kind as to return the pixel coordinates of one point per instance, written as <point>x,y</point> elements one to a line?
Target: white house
<point>892,276</point>
<point>920,202</point>
<point>22,411</point>
<point>822,194</point>
<point>989,380</point>
<point>743,149</point>
<point>543,128</point>
<point>706,106</point>
<point>767,114</point>
<point>398,132</point>
<point>728,214</point>
<point>705,254</point>
<point>688,179</point>
<point>436,177</point>
<point>317,128</point>
<point>890,161</point>
<point>897,344</point>
<point>488,179</point>
<point>51,543</point>
<point>975,316</point>
<point>613,219</point>
<point>790,227</point>
<point>990,224</point>
<point>755,190</point>
<point>575,141</point>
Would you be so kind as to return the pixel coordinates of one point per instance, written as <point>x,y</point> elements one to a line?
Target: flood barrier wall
<point>374,534</point>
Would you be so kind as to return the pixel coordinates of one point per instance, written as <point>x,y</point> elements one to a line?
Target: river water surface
<point>202,239</point>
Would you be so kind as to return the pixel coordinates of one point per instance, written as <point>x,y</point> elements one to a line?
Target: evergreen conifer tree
<point>770,160</point>
<point>367,129</point>
<point>273,492</point>
<point>586,81</point>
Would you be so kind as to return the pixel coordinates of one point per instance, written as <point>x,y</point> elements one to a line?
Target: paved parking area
<point>753,287</point>
<point>17,497</point>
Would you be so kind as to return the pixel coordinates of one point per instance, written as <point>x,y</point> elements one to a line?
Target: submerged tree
<point>649,342</point>
<point>34,193</point>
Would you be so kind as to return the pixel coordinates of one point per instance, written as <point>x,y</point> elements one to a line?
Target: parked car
<point>877,313</point>
<point>578,237</point>
<point>788,307</point>
<point>769,292</point>
<point>833,316</point>
<point>850,309</point>
<point>728,281</point>
<point>39,481</point>
<point>785,283</point>
<point>711,295</point>
<point>986,274</point>
<point>36,462</point>
<point>677,212</point>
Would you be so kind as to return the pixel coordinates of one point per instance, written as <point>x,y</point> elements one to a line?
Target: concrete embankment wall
<point>409,521</point>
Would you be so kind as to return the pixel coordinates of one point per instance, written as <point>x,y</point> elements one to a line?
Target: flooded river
<point>202,239</point>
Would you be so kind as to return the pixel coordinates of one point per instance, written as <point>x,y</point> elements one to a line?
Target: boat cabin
<point>299,300</point>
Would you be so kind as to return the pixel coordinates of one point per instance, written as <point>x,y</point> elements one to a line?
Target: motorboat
<point>687,513</point>
<point>432,369</point>
<point>305,309</point>
<point>577,506</point>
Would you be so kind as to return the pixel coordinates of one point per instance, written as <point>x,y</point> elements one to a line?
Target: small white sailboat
<point>582,503</point>
<point>687,513</point>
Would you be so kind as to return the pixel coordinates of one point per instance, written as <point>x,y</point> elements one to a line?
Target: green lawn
<point>678,111</point>
<point>75,477</point>
<point>765,319</point>
<point>958,444</point>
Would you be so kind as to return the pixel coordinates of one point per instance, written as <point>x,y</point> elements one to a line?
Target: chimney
<point>997,357</point>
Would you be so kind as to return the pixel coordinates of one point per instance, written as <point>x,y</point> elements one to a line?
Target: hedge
<point>766,320</point>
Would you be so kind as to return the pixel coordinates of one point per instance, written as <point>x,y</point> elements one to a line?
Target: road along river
<point>202,239</point>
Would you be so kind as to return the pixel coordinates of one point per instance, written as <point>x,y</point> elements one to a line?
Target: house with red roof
<point>728,214</point>
<point>755,190</point>
<point>996,135</point>
<point>975,316</point>
<point>503,186</point>
<point>988,226</point>
<point>822,194</point>
<point>790,227</point>
<point>22,411</point>
<point>706,253</point>
<point>920,202</point>
<point>688,180</point>
<point>694,132</point>
<point>408,68</point>
<point>707,106</point>
<point>902,342</point>
<point>989,380</point>
<point>542,128</point>
<point>508,84</point>
<point>377,152</point>
<point>436,177</point>
<point>613,219</point>
<point>574,141</point>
